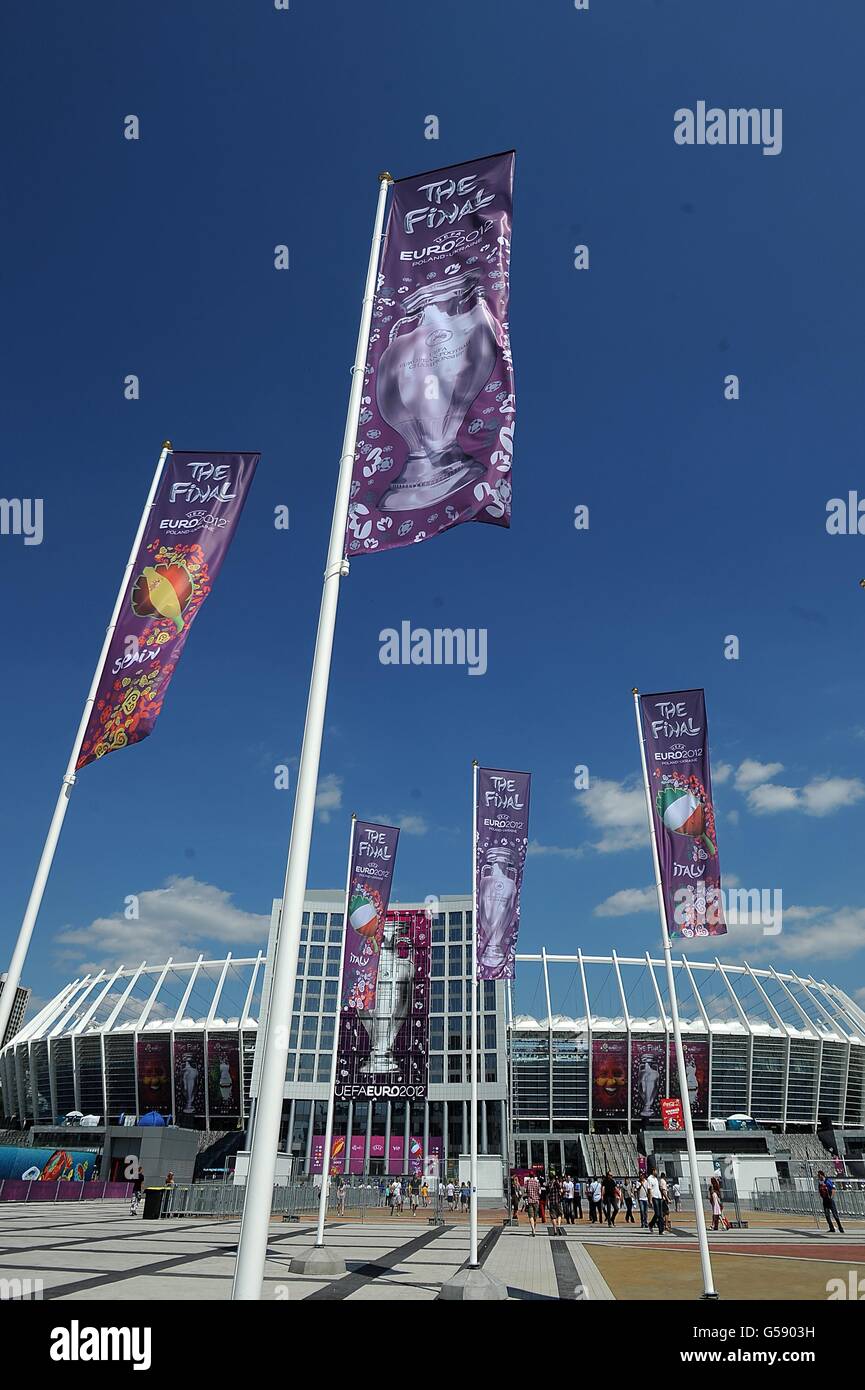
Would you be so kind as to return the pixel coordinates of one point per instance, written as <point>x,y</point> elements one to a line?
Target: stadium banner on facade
<point>415,1154</point>
<point>357,1154</point>
<point>373,858</point>
<point>223,1074</point>
<point>696,1076</point>
<point>189,1075</point>
<point>677,758</point>
<point>610,1077</point>
<point>154,1074</point>
<point>436,431</point>
<point>384,1044</point>
<point>23,1164</point>
<point>190,527</point>
<point>501,840</point>
<point>671,1113</point>
<point>648,1077</point>
<point>396,1150</point>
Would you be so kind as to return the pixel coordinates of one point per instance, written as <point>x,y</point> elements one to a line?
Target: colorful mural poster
<point>696,1075</point>
<point>648,1077</point>
<point>154,1074</point>
<point>189,1078</point>
<point>610,1078</point>
<point>223,1074</point>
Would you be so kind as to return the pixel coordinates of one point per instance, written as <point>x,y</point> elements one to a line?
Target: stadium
<point>574,1057</point>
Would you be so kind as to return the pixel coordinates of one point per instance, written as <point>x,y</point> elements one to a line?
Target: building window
<point>335,920</point>
<point>455,1067</point>
<point>490,1067</point>
<point>329,990</point>
<point>313,996</point>
<point>323,1068</point>
<point>437,996</point>
<point>436,1033</point>
<point>310,1032</point>
<point>436,1068</point>
<point>438,934</point>
<point>489,1032</point>
<point>318,934</point>
<point>319,919</point>
<point>455,933</point>
<point>316,960</point>
<point>489,994</point>
<point>455,1032</point>
<point>305,1070</point>
<point>455,997</point>
<point>304,921</point>
<point>437,965</point>
<point>468,919</point>
<point>455,960</point>
<point>333,962</point>
<point>455,919</point>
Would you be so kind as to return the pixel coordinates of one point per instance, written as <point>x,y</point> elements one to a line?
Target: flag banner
<point>190,527</point>
<point>437,417</point>
<point>671,1114</point>
<point>383,1044</point>
<point>680,785</point>
<point>501,840</point>
<point>373,856</point>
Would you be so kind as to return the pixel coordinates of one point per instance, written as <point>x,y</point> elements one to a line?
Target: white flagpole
<point>274,1029</point>
<point>696,1188</point>
<point>19,954</point>
<point>328,1128</point>
<point>473,1172</point>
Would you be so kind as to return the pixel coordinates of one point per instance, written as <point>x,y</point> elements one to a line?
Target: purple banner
<point>437,420</point>
<point>384,1047</point>
<point>189,1076</point>
<point>154,1075</point>
<point>415,1154</point>
<point>395,1154</point>
<point>376,1146</point>
<point>680,783</point>
<point>357,1155</point>
<point>696,1076</point>
<point>501,839</point>
<point>190,526</point>
<point>372,864</point>
<point>648,1077</point>
<point>223,1071</point>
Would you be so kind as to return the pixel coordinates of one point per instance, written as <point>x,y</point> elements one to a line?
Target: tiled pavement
<point>99,1252</point>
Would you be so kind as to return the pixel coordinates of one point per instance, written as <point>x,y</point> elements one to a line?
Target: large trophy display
<point>497,904</point>
<point>393,997</point>
<point>427,379</point>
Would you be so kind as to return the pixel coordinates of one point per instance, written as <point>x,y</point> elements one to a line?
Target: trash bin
<point>153,1199</point>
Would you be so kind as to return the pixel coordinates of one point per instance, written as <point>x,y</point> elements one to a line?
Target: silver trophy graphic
<point>497,903</point>
<point>392,999</point>
<point>427,379</point>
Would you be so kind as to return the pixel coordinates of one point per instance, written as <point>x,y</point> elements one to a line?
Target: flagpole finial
<point>474,762</point>
<point>385,177</point>
<point>166,443</point>
<point>635,691</point>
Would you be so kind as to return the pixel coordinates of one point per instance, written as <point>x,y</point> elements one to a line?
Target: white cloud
<point>721,773</point>
<point>819,797</point>
<point>328,798</point>
<point>823,795</point>
<point>176,920</point>
<point>618,810</point>
<point>407,823</point>
<point>768,799</point>
<point>628,900</point>
<point>563,851</point>
<point>750,773</point>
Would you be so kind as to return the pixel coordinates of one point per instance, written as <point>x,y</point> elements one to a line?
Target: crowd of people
<point>559,1200</point>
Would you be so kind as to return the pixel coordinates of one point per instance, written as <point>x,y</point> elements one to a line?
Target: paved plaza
<point>97,1251</point>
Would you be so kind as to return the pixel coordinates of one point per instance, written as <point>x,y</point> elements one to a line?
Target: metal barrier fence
<point>298,1199</point>
<point>17,1190</point>
<point>771,1195</point>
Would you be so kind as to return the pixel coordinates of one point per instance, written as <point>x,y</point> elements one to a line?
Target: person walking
<point>516,1196</point>
<point>555,1200</point>
<point>715,1203</point>
<point>665,1202</point>
<point>413,1198</point>
<point>533,1200</point>
<point>424,1193</point>
<point>676,1193</point>
<point>657,1204</point>
<point>643,1201</point>
<point>340,1198</point>
<point>608,1189</point>
<point>628,1196</point>
<point>826,1189</point>
<point>568,1199</point>
<point>542,1199</point>
<point>137,1189</point>
<point>449,1193</point>
<point>578,1198</point>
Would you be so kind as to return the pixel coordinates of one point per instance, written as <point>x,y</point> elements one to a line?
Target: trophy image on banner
<point>427,379</point>
<point>392,999</point>
<point>497,904</point>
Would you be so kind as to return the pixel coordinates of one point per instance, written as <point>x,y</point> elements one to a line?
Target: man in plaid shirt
<point>533,1199</point>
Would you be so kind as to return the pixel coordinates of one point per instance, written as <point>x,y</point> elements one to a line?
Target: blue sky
<point>707,516</point>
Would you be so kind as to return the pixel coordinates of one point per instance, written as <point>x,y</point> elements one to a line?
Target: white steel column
<point>258,1195</point>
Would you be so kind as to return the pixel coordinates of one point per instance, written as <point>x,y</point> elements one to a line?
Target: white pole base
<point>473,1284</point>
<point>318,1262</point>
